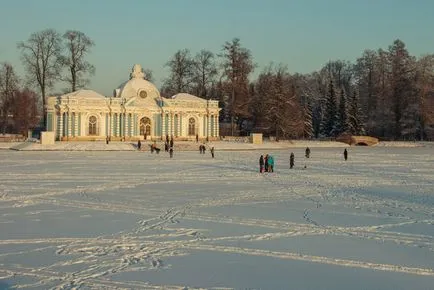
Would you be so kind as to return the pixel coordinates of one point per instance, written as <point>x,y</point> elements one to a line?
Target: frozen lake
<point>133,220</point>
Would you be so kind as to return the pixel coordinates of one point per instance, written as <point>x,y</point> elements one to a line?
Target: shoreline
<point>193,146</point>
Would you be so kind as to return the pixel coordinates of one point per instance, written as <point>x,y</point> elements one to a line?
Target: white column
<point>208,124</point>
<point>125,125</point>
<point>60,125</point>
<point>75,124</point>
<point>179,125</point>
<point>68,124</point>
<point>216,126</point>
<point>111,124</point>
<point>163,124</point>
<point>115,125</point>
<point>169,124</point>
<point>130,125</point>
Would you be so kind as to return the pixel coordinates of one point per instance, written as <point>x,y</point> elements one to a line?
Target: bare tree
<point>237,66</point>
<point>205,71</point>
<point>24,111</point>
<point>77,46</point>
<point>425,85</point>
<point>40,56</point>
<point>277,102</point>
<point>8,85</point>
<point>181,73</point>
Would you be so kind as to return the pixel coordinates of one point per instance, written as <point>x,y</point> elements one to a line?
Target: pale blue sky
<point>304,34</point>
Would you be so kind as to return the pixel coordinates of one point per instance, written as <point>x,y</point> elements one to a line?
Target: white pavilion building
<point>135,111</point>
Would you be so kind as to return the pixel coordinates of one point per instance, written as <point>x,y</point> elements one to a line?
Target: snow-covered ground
<point>191,146</point>
<point>136,220</point>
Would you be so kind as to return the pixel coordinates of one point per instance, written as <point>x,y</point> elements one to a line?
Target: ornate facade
<point>135,111</point>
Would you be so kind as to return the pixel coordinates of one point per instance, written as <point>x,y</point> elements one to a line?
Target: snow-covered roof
<point>84,94</point>
<point>187,97</point>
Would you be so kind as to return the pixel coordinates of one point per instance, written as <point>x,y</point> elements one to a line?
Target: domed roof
<point>84,94</point>
<point>187,97</point>
<point>137,86</point>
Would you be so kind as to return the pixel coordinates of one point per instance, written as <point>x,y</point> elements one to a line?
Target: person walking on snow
<point>212,152</point>
<point>261,164</point>
<point>345,154</point>
<point>291,160</point>
<point>270,161</point>
<point>307,154</point>
<point>266,163</point>
<point>171,152</point>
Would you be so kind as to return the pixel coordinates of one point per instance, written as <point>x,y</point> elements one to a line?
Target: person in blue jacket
<point>270,161</point>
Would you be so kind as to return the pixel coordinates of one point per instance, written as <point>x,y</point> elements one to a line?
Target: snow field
<point>136,220</point>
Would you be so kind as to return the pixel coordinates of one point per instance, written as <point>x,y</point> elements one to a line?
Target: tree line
<point>48,57</point>
<point>385,93</point>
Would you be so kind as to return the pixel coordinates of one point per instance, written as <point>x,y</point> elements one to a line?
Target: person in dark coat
<point>261,164</point>
<point>139,145</point>
<point>212,152</point>
<point>197,138</point>
<point>345,154</point>
<point>266,163</point>
<point>171,152</point>
<point>203,149</point>
<point>166,146</point>
<point>107,140</point>
<point>307,154</point>
<point>171,142</point>
<point>167,138</point>
<point>291,160</point>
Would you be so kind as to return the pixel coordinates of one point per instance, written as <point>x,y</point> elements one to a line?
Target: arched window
<point>145,126</point>
<point>93,125</point>
<point>191,127</point>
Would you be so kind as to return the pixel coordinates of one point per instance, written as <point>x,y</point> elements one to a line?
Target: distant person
<point>167,138</point>
<point>107,140</point>
<point>171,142</point>
<point>200,148</point>
<point>345,154</point>
<point>261,164</point>
<point>291,160</point>
<point>203,149</point>
<point>139,145</point>
<point>171,152</point>
<point>266,163</point>
<point>166,146</point>
<point>270,161</point>
<point>197,138</point>
<point>212,152</point>
<point>307,153</point>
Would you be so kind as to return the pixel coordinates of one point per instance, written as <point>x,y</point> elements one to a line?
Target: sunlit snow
<point>136,220</point>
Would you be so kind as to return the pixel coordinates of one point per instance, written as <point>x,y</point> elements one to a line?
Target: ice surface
<point>130,220</point>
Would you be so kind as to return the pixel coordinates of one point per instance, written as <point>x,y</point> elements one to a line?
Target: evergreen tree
<point>355,121</point>
<point>330,119</point>
<point>343,122</point>
<point>308,124</point>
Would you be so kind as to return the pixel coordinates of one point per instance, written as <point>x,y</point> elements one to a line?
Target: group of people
<point>266,164</point>
<point>202,149</point>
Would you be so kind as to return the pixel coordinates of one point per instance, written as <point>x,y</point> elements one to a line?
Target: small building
<point>135,111</point>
